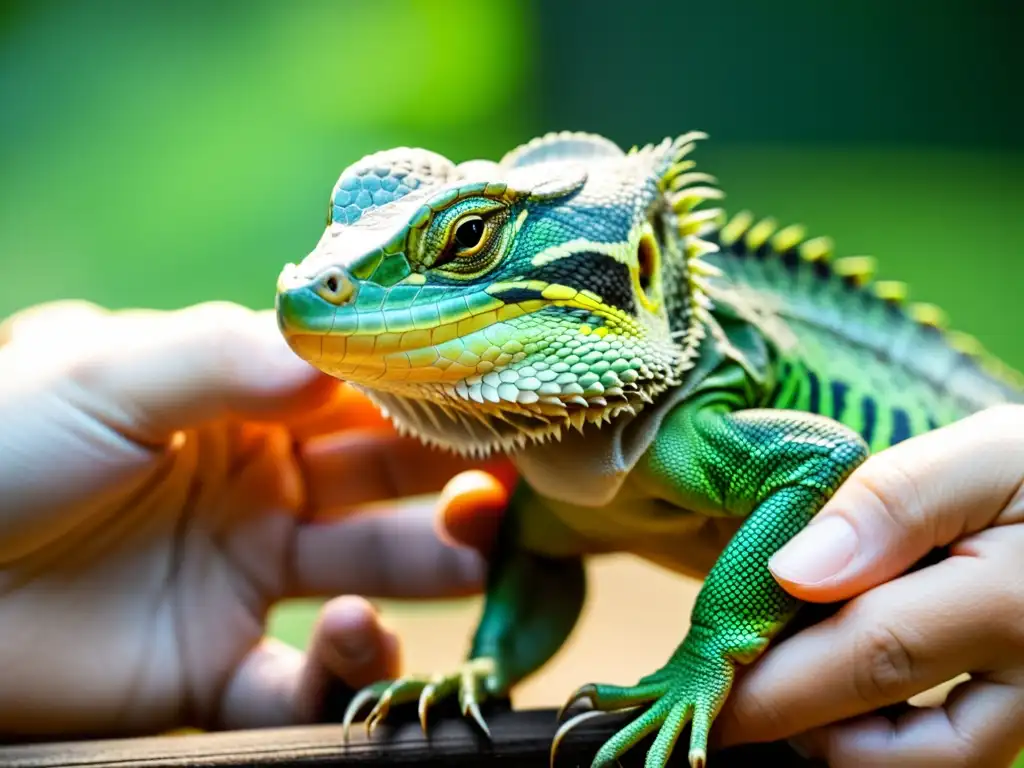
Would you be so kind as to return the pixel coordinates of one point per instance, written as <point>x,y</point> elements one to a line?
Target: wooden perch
<point>521,739</point>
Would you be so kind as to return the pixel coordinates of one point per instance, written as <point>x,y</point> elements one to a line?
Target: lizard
<point>647,361</point>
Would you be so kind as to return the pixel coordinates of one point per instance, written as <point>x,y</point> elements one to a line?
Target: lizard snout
<point>308,301</point>
<point>331,284</point>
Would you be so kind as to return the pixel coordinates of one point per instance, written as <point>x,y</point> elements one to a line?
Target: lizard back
<point>851,349</point>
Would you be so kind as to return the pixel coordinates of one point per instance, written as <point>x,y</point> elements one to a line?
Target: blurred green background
<point>159,154</point>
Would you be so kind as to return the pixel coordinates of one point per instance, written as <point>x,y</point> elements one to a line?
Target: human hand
<point>901,635</point>
<point>165,478</point>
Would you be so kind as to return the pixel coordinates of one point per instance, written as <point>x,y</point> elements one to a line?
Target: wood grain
<point>520,739</point>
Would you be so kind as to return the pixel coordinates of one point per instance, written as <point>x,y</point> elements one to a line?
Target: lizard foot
<point>692,686</point>
<point>469,681</point>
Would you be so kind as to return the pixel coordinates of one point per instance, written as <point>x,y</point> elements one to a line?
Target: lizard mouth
<point>491,376</point>
<point>517,401</point>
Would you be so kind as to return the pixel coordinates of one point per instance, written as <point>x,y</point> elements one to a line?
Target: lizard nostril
<point>334,286</point>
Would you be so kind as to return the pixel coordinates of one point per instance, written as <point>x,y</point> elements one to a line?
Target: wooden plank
<point>521,739</point>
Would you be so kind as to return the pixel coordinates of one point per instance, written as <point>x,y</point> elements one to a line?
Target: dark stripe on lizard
<point>814,396</point>
<point>900,426</point>
<point>839,390</point>
<point>869,409</point>
<point>597,272</point>
<point>518,295</point>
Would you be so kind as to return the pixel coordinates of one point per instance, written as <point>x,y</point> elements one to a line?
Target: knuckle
<point>964,750</point>
<point>895,491</point>
<point>230,334</point>
<point>761,715</point>
<point>886,667</point>
<point>1007,598</point>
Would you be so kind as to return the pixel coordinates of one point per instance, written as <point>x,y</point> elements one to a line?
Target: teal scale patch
<point>369,188</point>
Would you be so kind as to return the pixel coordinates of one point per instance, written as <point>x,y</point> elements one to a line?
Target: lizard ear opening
<point>648,257</point>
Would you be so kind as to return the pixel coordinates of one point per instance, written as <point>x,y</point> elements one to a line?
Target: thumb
<point>154,373</point>
<point>902,503</point>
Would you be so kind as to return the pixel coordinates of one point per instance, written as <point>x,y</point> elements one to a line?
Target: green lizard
<point>648,363</point>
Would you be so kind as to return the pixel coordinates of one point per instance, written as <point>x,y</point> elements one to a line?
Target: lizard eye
<point>468,235</point>
<point>467,241</point>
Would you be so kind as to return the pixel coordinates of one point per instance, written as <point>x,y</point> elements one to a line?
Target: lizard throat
<point>484,414</point>
<point>478,429</point>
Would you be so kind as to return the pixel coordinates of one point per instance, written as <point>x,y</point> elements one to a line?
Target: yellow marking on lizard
<point>520,219</point>
<point>556,292</point>
<point>619,251</point>
<point>760,232</point>
<point>816,249</point>
<point>928,314</point>
<point>788,237</point>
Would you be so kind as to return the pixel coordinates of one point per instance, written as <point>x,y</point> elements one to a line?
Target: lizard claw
<point>379,712</point>
<point>688,690</point>
<point>355,706</point>
<point>567,726</point>
<point>472,709</point>
<point>427,697</point>
<point>586,692</point>
<point>605,699</point>
<point>426,691</point>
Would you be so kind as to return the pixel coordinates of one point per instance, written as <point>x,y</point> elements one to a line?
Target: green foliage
<point>163,154</point>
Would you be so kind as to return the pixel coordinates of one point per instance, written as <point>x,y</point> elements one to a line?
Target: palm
<point>164,479</point>
<point>153,598</point>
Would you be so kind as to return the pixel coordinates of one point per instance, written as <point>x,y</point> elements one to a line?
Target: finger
<point>470,509</point>
<point>350,646</point>
<point>387,553</point>
<point>173,370</point>
<point>54,319</point>
<point>262,691</point>
<point>982,724</point>
<point>345,409</point>
<point>356,467</point>
<point>903,502</point>
<point>887,645</point>
<point>278,685</point>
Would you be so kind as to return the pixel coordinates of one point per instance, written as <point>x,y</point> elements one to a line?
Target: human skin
<point>903,633</point>
<point>165,478</point>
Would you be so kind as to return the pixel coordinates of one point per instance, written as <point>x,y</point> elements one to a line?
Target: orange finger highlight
<point>470,509</point>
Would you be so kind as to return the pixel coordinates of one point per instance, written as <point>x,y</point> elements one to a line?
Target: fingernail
<point>816,553</point>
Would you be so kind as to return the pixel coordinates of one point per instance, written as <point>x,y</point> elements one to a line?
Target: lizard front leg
<point>776,468</point>
<point>531,605</point>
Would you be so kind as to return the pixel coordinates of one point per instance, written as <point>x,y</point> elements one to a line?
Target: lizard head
<point>484,305</point>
